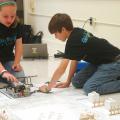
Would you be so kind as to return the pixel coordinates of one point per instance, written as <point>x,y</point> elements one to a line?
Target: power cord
<point>85,23</point>
<point>90,20</point>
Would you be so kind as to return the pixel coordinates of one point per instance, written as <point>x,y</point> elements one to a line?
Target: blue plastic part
<point>81,65</point>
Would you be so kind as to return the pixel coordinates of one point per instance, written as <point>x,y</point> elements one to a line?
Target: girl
<point>10,38</point>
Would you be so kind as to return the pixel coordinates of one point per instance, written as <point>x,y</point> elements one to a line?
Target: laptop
<point>35,50</point>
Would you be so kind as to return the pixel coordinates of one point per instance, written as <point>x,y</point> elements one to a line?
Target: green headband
<point>8,3</point>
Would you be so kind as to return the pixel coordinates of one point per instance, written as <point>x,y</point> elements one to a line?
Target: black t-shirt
<point>8,36</point>
<point>82,45</point>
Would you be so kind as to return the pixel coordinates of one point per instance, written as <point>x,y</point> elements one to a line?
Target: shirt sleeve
<point>74,51</point>
<point>19,31</point>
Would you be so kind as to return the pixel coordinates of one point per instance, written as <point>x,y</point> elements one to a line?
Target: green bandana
<point>8,3</point>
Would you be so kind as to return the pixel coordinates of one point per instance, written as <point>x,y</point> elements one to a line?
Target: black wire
<point>85,23</point>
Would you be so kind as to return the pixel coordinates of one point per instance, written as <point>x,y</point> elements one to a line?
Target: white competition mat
<point>60,104</point>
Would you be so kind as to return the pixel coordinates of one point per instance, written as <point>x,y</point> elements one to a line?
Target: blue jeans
<point>103,79</point>
<point>8,67</point>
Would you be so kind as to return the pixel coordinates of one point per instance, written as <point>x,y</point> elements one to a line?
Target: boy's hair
<point>6,3</point>
<point>58,21</point>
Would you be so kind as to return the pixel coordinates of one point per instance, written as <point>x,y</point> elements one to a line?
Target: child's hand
<point>17,67</point>
<point>44,89</point>
<point>9,77</point>
<point>62,85</point>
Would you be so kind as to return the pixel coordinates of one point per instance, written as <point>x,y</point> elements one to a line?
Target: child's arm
<point>59,72</point>
<point>5,74</point>
<point>1,67</point>
<point>72,70</point>
<point>56,76</point>
<point>18,53</point>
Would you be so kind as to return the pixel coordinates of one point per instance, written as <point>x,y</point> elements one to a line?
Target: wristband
<point>2,72</point>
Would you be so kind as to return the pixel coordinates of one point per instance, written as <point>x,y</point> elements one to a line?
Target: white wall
<point>106,13</point>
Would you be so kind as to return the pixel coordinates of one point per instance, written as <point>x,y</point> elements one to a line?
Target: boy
<point>101,75</point>
<point>10,37</point>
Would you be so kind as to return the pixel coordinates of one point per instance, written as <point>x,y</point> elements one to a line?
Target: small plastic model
<point>21,89</point>
<point>95,99</point>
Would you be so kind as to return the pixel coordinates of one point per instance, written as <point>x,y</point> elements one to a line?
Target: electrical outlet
<point>92,21</point>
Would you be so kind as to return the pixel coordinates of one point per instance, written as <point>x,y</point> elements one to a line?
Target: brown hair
<point>58,21</point>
